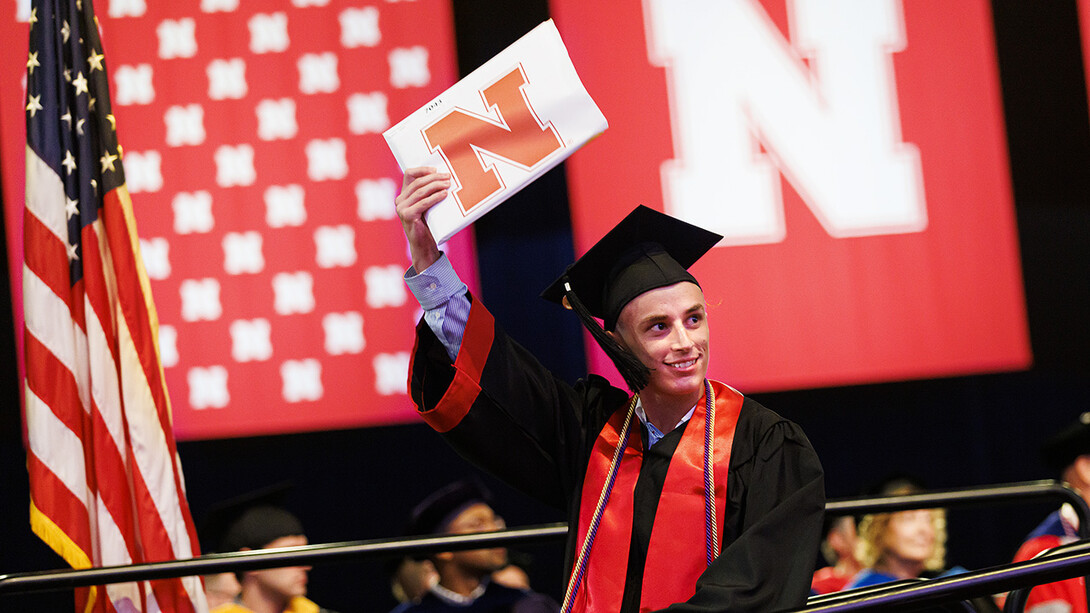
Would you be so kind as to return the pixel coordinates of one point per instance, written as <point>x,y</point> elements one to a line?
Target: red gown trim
<point>463,390</point>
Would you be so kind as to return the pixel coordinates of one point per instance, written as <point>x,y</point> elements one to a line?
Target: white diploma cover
<point>501,127</point>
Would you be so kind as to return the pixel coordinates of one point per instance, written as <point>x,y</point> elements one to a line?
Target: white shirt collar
<point>453,597</point>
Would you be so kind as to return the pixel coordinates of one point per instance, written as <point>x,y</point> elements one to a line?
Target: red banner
<point>263,192</point>
<point>851,151</point>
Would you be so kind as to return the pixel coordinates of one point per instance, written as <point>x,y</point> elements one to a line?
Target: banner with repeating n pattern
<point>498,129</point>
<point>263,193</point>
<point>853,154</point>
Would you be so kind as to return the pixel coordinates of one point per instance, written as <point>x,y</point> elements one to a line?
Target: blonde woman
<point>902,545</point>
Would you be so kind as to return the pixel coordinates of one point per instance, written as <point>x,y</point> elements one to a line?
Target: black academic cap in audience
<point>1067,444</point>
<point>251,520</point>
<point>434,514</point>
<point>895,484</point>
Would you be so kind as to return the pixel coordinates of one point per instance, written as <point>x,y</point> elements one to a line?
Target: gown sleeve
<point>502,410</point>
<point>772,527</point>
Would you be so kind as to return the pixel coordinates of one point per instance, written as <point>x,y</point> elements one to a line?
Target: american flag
<point>105,478</point>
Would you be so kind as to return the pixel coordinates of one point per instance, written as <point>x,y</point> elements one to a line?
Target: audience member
<point>902,545</point>
<point>839,550</point>
<point>257,521</point>
<point>1068,455</point>
<point>465,577</point>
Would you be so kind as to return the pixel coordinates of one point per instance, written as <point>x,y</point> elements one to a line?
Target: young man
<point>465,577</point>
<point>259,525</point>
<point>685,492</point>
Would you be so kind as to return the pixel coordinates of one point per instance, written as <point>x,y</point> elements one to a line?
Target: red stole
<point>677,553</point>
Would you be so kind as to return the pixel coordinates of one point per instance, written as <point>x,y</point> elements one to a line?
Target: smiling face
<point>910,536</point>
<point>667,329</point>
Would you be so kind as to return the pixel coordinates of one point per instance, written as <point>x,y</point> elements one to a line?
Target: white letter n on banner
<point>833,128</point>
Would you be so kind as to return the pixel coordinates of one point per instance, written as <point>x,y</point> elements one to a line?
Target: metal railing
<point>931,592</point>
<point>1008,493</point>
<point>305,555</point>
<point>1016,601</point>
<point>1059,565</point>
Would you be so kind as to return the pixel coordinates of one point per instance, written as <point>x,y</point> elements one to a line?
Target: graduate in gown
<point>682,493</point>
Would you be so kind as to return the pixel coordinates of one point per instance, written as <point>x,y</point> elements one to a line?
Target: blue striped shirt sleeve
<point>442,295</point>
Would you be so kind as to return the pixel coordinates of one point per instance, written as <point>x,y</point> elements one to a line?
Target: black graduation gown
<point>503,411</point>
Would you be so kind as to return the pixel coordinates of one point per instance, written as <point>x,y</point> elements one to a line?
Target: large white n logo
<point>832,127</point>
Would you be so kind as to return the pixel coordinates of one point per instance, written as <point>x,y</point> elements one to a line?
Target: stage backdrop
<point>263,192</point>
<point>853,154</point>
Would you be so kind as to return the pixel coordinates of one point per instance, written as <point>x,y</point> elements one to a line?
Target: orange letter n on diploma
<point>518,137</point>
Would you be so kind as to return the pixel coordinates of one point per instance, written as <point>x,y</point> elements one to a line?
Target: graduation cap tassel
<point>634,372</point>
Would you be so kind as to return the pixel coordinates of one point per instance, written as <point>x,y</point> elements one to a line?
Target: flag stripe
<point>135,300</point>
<point>100,288</point>
<point>156,540</point>
<point>47,194</point>
<point>54,445</point>
<point>115,551</point>
<point>48,258</point>
<point>48,319</point>
<point>52,383</point>
<point>101,342</point>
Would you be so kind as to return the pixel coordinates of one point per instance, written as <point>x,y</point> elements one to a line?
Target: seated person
<point>256,521</point>
<point>465,577</point>
<point>908,544</point>
<point>1068,455</point>
<point>902,545</point>
<point>839,549</point>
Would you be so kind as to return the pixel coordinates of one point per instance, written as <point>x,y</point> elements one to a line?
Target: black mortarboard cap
<point>1067,444</point>
<point>645,251</point>
<point>433,514</point>
<point>251,520</point>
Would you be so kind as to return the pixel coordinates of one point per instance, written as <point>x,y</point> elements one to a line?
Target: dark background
<point>952,432</point>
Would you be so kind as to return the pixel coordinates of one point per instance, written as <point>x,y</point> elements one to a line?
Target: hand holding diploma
<point>491,134</point>
<point>421,189</point>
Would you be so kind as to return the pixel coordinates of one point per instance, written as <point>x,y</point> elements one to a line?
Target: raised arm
<point>421,189</point>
